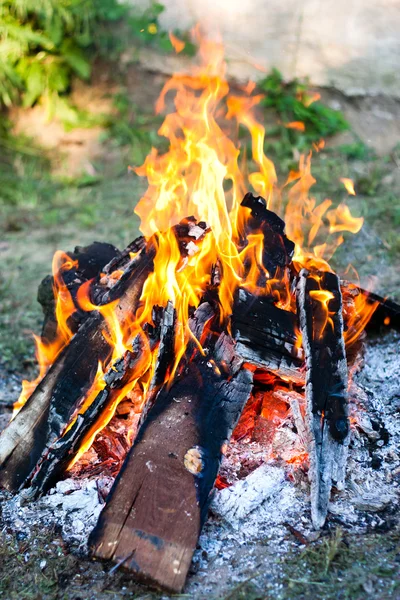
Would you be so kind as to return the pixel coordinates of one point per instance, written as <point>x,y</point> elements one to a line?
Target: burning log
<point>158,504</point>
<point>386,312</point>
<point>56,400</point>
<point>278,250</point>
<point>321,323</point>
<point>86,264</point>
<point>266,336</point>
<point>60,454</point>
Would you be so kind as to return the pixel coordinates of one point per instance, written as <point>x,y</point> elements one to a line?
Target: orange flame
<point>47,352</point>
<point>323,297</point>
<point>349,185</point>
<point>203,174</point>
<point>177,44</point>
<point>297,125</point>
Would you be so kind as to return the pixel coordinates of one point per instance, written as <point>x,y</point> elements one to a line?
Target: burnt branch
<point>326,387</point>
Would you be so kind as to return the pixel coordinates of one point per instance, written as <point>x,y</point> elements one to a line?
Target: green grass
<point>39,215</point>
<point>341,567</point>
<point>63,576</point>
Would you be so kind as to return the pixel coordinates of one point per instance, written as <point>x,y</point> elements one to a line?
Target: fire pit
<point>217,352</point>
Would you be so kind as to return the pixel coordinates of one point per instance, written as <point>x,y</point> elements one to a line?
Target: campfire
<point>224,321</point>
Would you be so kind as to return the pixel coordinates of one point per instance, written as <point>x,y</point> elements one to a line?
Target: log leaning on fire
<point>63,451</point>
<point>326,387</point>
<point>159,501</point>
<point>48,411</point>
<point>55,401</point>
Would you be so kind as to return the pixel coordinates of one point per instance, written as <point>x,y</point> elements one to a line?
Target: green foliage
<point>348,568</point>
<point>42,45</point>
<point>294,103</point>
<point>356,151</point>
<point>146,31</point>
<point>45,43</point>
<point>132,128</point>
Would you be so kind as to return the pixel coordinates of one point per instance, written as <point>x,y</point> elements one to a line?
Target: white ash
<point>266,511</point>
<point>74,505</point>
<point>247,529</point>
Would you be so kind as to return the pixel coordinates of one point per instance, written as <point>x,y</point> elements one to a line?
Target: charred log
<point>386,313</point>
<point>91,260</point>
<point>266,337</point>
<point>55,462</point>
<point>326,387</point>
<point>49,410</point>
<point>278,250</point>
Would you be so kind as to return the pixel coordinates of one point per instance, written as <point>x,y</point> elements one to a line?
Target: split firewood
<point>320,311</point>
<point>58,397</point>
<point>158,504</point>
<point>64,450</point>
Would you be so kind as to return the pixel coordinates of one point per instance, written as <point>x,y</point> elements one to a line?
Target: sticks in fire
<point>158,503</point>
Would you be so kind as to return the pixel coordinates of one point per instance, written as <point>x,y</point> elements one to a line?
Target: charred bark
<point>266,337</point>
<point>46,414</point>
<point>91,260</point>
<point>278,250</point>
<point>326,388</point>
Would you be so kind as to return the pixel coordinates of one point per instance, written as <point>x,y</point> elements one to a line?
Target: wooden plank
<point>326,388</point>
<point>159,501</point>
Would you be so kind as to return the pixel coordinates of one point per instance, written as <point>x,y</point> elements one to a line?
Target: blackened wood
<point>326,389</point>
<point>90,261</point>
<point>387,311</point>
<point>278,250</point>
<point>46,414</point>
<point>266,337</point>
<point>58,397</point>
<point>165,352</point>
<point>158,504</point>
<point>61,453</point>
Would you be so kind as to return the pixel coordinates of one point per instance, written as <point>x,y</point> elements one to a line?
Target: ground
<point>93,198</point>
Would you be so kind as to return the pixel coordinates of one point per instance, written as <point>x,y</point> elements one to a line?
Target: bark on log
<point>159,501</point>
<point>326,389</point>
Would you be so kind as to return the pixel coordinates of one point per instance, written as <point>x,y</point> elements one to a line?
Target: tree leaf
<point>75,58</point>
